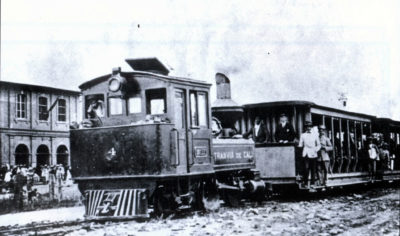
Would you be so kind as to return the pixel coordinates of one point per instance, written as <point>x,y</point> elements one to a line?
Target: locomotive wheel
<point>197,203</point>
<point>232,198</point>
<point>161,204</point>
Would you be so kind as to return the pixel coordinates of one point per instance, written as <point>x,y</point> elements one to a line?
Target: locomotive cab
<point>146,134</point>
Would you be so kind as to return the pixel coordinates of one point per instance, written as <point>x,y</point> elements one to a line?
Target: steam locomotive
<point>148,143</point>
<point>152,143</point>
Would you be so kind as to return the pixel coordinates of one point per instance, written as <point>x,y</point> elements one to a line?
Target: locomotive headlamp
<point>114,84</point>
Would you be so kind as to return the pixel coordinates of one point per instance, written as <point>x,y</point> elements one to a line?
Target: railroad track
<point>56,228</point>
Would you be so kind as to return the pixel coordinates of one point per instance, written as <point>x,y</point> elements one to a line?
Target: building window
<point>198,108</point>
<point>115,106</point>
<point>42,155</point>
<point>135,105</point>
<point>22,155</point>
<point>43,115</point>
<point>62,155</point>
<point>21,106</point>
<point>62,110</point>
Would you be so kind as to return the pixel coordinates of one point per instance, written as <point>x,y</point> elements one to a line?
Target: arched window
<point>42,155</point>
<point>22,155</point>
<point>62,155</point>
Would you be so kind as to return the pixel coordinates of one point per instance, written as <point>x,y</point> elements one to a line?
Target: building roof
<point>39,88</point>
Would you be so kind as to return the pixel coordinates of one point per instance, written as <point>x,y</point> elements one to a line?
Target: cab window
<point>135,105</point>
<point>94,105</point>
<point>156,101</point>
<point>198,108</point>
<point>115,106</point>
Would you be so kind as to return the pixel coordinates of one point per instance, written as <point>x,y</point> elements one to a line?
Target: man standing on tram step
<point>311,145</point>
<point>373,153</point>
<point>324,160</point>
<point>258,132</point>
<point>284,131</point>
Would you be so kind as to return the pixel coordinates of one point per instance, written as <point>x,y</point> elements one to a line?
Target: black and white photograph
<point>177,117</point>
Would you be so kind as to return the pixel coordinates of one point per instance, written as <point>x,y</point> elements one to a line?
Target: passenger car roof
<point>304,103</point>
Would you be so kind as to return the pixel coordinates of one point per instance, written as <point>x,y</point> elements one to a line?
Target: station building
<point>34,124</point>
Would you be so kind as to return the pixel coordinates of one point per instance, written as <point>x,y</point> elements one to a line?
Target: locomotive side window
<point>135,105</point>
<point>156,101</point>
<point>198,108</point>
<point>202,109</point>
<point>115,106</point>
<point>179,109</point>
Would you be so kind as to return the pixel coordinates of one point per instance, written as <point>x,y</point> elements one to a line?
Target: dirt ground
<point>368,212</point>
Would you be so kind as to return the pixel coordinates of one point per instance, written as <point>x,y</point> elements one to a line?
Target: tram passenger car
<point>148,144</point>
<point>281,164</point>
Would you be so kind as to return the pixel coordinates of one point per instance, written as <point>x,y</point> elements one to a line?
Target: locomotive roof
<point>129,75</point>
<point>304,103</point>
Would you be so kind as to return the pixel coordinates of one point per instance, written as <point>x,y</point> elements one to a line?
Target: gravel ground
<point>372,212</point>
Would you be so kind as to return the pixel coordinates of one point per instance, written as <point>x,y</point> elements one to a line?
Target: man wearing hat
<point>284,131</point>
<point>95,111</point>
<point>258,132</point>
<point>311,145</point>
<point>326,146</point>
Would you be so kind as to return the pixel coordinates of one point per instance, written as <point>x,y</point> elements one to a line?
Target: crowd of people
<point>20,181</point>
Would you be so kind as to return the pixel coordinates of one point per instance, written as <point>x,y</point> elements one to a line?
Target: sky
<point>271,50</point>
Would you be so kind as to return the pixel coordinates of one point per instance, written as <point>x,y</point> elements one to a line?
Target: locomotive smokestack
<point>224,108</point>
<point>223,86</point>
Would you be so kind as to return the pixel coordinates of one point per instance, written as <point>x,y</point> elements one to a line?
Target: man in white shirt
<point>311,145</point>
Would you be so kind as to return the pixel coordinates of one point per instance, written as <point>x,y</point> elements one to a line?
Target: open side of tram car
<point>282,164</point>
<point>148,144</point>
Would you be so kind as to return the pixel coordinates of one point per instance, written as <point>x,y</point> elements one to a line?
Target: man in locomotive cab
<point>95,111</point>
<point>311,145</point>
<point>258,132</point>
<point>284,131</point>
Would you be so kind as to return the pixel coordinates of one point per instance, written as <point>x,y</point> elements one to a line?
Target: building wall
<point>31,131</point>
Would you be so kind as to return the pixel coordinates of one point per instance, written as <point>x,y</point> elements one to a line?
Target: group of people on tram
<point>317,149</point>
